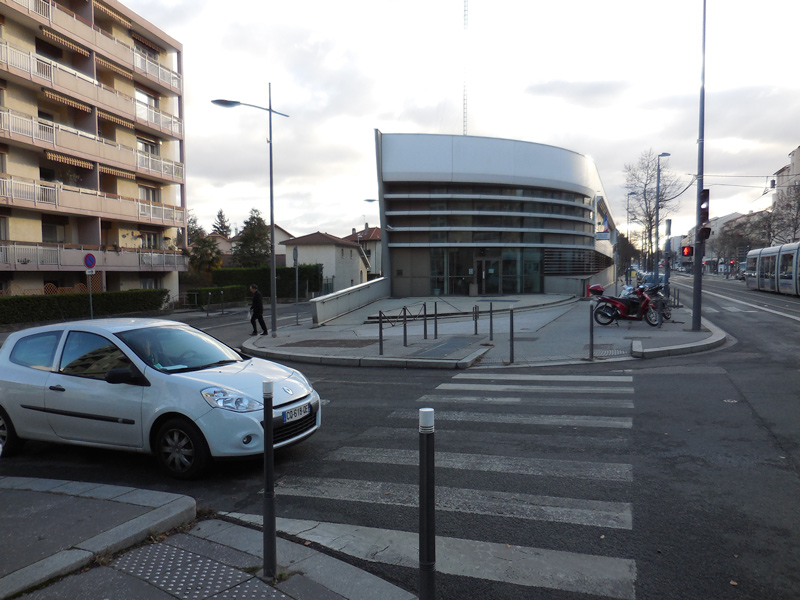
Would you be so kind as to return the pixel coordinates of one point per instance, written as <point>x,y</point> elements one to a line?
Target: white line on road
<point>490,387</point>
<point>593,513</point>
<point>573,378</point>
<point>538,467</point>
<point>576,402</point>
<point>519,419</point>
<point>517,565</point>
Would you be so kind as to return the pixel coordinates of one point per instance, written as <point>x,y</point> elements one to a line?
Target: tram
<point>774,269</point>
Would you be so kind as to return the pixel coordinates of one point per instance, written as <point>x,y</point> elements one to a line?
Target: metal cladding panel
<point>423,157</point>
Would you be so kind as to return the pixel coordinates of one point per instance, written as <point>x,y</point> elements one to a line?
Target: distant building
<point>343,262</point>
<point>369,239</point>
<point>486,216</point>
<point>91,149</point>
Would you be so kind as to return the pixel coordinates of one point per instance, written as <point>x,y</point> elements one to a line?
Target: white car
<point>147,385</point>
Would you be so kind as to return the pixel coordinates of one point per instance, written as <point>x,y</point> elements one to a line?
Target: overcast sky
<point>608,79</point>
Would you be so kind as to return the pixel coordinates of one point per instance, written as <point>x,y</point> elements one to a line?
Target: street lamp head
<point>664,155</point>
<point>226,103</point>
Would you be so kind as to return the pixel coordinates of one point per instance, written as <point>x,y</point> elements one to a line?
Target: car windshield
<point>178,348</point>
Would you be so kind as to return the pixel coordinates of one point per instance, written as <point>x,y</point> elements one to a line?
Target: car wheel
<point>8,435</point>
<point>181,449</point>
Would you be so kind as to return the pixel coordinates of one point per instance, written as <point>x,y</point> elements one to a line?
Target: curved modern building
<point>485,216</point>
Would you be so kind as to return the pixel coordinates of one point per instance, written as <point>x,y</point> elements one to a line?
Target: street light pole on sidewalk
<point>272,279</point>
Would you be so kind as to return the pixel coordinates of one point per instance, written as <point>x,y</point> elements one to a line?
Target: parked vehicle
<point>610,308</point>
<point>657,298</point>
<point>147,385</point>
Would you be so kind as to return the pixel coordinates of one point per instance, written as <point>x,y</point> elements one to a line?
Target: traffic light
<point>687,250</point>
<point>705,231</point>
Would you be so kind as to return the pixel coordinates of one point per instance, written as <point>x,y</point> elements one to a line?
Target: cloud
<point>582,93</point>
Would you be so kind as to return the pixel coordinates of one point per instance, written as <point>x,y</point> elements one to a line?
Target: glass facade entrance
<point>493,271</point>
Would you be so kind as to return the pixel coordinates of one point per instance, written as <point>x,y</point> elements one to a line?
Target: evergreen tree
<point>252,249</point>
<point>221,225</point>
<point>205,255</point>
<point>194,230</point>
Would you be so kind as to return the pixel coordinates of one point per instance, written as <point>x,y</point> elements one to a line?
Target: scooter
<point>657,297</point>
<point>610,308</point>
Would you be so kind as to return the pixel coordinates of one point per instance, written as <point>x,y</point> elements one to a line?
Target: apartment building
<point>91,149</point>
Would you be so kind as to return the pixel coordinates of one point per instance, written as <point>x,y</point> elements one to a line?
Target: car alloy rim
<point>177,451</point>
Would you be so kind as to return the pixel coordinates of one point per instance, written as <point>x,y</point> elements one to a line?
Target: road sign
<point>89,260</point>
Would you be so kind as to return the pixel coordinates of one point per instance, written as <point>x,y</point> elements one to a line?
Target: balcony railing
<point>31,256</point>
<point>79,200</point>
<point>69,139</point>
<point>47,69</point>
<point>44,8</point>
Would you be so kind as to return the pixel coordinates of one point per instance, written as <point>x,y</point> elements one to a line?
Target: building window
<point>149,194</point>
<point>3,228</point>
<point>150,240</point>
<point>148,52</point>
<point>147,146</point>
<point>53,233</point>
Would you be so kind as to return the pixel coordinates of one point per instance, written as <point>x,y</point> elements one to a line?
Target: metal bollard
<point>427,506</point>
<point>208,304</point>
<point>436,320</point>
<point>591,330</point>
<point>222,301</point>
<point>511,331</point>
<point>405,328</point>
<point>380,332</point>
<point>425,320</point>
<point>269,529</point>
<point>491,322</point>
<point>475,313</point>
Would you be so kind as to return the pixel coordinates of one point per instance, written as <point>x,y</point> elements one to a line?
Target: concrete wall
<point>328,307</point>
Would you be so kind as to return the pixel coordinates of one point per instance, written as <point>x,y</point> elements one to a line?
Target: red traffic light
<point>687,250</point>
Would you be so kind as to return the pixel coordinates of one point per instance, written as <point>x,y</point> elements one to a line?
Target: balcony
<point>46,134</point>
<point>40,69</point>
<point>27,193</point>
<point>16,256</point>
<point>55,14</point>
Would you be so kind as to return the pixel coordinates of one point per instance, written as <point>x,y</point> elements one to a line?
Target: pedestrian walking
<point>257,310</point>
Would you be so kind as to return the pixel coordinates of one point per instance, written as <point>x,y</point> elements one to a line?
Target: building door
<point>487,276</point>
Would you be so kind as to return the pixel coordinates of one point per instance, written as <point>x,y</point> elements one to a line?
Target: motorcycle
<point>657,298</point>
<point>610,308</point>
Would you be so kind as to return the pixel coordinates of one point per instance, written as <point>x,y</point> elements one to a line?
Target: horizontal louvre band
<point>68,160</point>
<point>143,40</point>
<point>67,100</point>
<point>117,172</point>
<point>60,39</point>
<point>115,119</point>
<point>112,13</point>
<point>109,65</point>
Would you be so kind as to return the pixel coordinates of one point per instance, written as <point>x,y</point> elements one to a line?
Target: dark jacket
<point>257,305</point>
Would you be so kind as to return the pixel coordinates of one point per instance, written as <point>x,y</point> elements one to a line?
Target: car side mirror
<point>128,375</point>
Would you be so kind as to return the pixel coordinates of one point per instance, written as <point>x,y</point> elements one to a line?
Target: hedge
<point>285,276</point>
<point>63,307</point>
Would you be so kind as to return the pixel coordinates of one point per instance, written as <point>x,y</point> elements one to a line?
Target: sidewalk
<point>51,528</point>
<point>547,330</point>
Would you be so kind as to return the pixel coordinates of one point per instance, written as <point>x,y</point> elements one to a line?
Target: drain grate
<point>183,574</point>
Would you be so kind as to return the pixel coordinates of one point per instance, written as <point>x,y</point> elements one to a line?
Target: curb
<point>718,338</point>
<point>167,512</point>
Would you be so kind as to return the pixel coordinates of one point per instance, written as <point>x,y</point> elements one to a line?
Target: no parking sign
<point>89,260</point>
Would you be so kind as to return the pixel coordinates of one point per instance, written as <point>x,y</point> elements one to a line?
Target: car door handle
<point>57,388</point>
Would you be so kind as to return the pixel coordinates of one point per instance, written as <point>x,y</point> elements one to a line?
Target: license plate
<point>296,413</point>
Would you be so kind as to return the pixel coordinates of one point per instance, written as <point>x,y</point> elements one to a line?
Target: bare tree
<point>787,215</point>
<point>641,182</point>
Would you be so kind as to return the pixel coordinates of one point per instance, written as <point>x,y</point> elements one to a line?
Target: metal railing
<point>16,253</point>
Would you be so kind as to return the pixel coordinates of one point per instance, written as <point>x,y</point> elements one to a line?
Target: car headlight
<point>219,397</point>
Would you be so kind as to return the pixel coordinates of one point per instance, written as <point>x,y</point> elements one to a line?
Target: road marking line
<point>518,419</point>
<point>573,378</point>
<point>591,513</point>
<point>576,402</point>
<point>518,565</point>
<point>490,387</point>
<point>536,467</point>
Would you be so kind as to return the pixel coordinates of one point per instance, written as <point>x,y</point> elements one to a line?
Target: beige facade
<point>91,148</point>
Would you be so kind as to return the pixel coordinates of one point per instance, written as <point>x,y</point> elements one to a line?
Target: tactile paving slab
<point>183,574</point>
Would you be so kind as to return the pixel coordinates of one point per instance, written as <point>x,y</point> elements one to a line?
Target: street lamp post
<point>272,278</point>
<point>658,204</point>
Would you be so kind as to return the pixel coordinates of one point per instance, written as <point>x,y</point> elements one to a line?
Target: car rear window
<point>36,351</point>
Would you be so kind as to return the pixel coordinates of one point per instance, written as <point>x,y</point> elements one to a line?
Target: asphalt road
<point>672,478</point>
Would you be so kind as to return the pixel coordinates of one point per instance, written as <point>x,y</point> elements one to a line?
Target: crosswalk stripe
<point>594,513</point>
<point>540,467</point>
<point>522,377</point>
<point>513,442</point>
<point>517,565</point>
<point>575,402</point>
<point>522,419</point>
<point>491,387</point>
